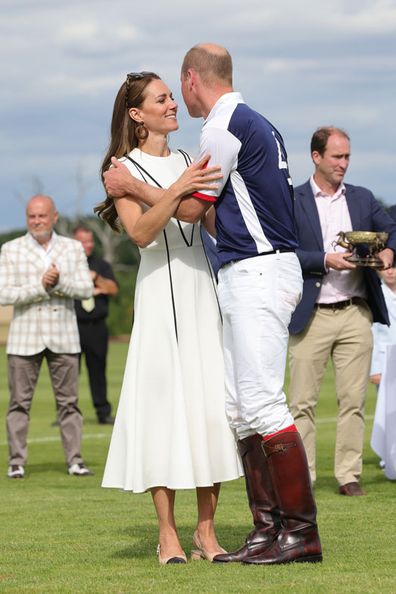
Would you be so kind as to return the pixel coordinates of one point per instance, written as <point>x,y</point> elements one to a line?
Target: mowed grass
<point>65,534</point>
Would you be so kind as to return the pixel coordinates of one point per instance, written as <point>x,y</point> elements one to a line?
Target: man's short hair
<point>81,227</point>
<point>321,136</point>
<point>211,64</point>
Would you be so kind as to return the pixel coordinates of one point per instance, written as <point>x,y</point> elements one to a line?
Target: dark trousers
<point>94,342</point>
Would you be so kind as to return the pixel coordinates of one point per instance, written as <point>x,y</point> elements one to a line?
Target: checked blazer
<point>43,319</point>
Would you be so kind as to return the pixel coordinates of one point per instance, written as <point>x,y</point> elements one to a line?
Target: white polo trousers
<point>257,297</point>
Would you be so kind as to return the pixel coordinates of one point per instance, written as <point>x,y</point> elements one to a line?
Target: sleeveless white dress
<point>170,428</point>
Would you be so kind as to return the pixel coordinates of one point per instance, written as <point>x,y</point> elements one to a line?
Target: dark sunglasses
<point>138,75</point>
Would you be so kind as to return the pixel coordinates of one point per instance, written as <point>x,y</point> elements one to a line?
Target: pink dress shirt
<point>337,285</point>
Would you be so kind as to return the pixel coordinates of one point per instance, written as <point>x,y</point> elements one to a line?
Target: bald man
<point>41,273</point>
<point>251,211</point>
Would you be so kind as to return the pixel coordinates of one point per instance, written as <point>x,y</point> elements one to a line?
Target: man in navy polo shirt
<point>260,284</point>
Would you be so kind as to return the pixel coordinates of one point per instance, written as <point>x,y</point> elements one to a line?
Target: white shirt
<point>45,252</point>
<point>384,335</point>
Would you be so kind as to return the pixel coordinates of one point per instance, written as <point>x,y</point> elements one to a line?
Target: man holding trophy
<point>344,236</point>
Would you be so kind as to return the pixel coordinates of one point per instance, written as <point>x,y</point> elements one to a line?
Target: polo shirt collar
<point>232,98</point>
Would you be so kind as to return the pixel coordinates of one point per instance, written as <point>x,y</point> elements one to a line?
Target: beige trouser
<point>23,374</point>
<point>345,336</point>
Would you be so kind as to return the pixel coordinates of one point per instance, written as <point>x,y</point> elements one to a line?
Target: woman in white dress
<point>170,430</point>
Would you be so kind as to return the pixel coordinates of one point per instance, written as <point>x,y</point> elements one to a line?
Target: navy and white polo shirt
<point>254,201</point>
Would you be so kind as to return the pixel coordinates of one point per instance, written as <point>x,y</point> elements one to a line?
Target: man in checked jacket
<point>41,273</point>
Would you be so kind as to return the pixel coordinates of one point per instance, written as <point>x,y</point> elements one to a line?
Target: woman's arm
<point>119,183</point>
<point>144,226</point>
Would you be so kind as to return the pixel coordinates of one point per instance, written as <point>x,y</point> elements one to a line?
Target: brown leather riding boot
<point>261,499</point>
<point>298,540</point>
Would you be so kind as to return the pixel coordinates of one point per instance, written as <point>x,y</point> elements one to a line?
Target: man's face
<point>41,218</point>
<point>333,164</point>
<point>87,240</point>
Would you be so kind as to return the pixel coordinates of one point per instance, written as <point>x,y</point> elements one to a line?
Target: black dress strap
<point>143,171</point>
<point>145,174</point>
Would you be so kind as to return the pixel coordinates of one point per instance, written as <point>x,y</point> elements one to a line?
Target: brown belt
<point>342,304</point>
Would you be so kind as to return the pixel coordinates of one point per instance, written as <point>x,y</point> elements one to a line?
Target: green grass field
<point>66,534</point>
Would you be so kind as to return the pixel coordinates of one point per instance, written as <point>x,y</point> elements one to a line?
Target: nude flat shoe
<point>201,553</point>
<point>170,560</point>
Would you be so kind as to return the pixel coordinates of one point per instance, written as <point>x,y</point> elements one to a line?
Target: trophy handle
<point>342,242</point>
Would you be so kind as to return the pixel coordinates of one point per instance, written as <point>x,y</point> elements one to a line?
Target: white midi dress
<point>170,428</point>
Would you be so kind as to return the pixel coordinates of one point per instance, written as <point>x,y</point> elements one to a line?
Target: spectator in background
<point>40,275</point>
<point>385,335</point>
<point>338,305</point>
<point>91,318</point>
<point>383,435</point>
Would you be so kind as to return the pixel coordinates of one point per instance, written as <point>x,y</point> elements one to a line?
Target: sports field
<point>66,534</point>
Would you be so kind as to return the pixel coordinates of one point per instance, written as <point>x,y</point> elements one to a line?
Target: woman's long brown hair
<point>123,137</point>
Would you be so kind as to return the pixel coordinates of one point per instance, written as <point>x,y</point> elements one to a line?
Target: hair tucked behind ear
<point>123,137</point>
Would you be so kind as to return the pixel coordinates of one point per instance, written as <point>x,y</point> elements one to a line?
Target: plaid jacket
<point>43,320</point>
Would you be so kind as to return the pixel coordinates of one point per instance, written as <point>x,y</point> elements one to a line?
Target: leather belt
<point>278,251</point>
<point>341,304</point>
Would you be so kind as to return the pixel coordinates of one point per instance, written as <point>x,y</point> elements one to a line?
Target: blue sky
<point>302,64</point>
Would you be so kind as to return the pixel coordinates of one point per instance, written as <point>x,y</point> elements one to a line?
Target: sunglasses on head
<point>131,76</point>
<point>138,75</point>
